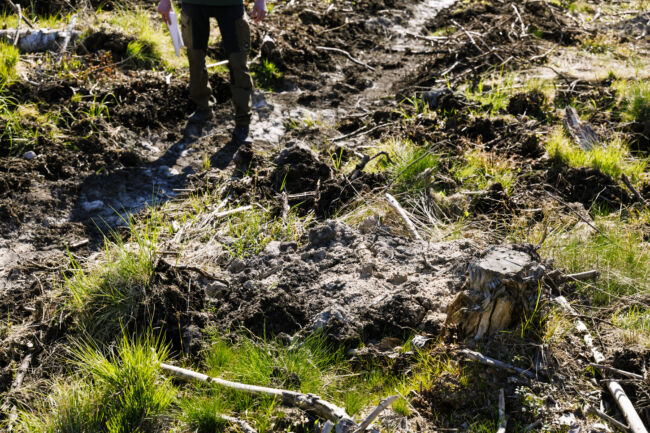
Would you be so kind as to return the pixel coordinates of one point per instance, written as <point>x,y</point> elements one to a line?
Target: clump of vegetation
<point>638,102</point>
<point>480,169</point>
<point>106,298</point>
<point>9,56</point>
<point>612,158</point>
<point>410,165</point>
<point>266,75</point>
<point>118,392</point>
<point>252,230</point>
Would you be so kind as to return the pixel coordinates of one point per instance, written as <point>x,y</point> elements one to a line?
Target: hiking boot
<point>240,134</point>
<point>201,115</point>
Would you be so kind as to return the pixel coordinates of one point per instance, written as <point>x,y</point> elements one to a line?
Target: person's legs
<point>196,32</point>
<point>236,37</point>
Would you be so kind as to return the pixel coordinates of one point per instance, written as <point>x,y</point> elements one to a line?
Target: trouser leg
<point>236,36</point>
<point>196,31</point>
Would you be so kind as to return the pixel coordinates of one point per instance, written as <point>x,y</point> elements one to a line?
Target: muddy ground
<point>96,172</point>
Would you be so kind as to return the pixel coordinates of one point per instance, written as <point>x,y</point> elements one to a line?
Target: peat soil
<point>100,170</point>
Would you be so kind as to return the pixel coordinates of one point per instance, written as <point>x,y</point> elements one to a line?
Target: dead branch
<point>240,422</point>
<point>30,41</point>
<point>523,26</point>
<point>471,39</point>
<point>66,41</point>
<point>637,195</point>
<point>285,206</point>
<point>402,213</point>
<point>616,370</point>
<point>503,421</point>
<point>309,402</point>
<point>20,15</point>
<point>581,276</point>
<point>479,357</point>
<point>375,413</point>
<point>348,55</point>
<point>590,410</point>
<point>624,403</point>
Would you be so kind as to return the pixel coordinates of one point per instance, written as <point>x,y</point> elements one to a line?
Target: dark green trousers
<point>236,37</point>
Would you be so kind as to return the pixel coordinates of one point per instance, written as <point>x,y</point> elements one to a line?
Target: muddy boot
<point>200,116</point>
<point>240,135</point>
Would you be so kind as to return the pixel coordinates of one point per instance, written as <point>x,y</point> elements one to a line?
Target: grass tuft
<point>481,169</point>
<point>612,159</point>
<point>118,392</point>
<point>106,298</point>
<point>9,56</point>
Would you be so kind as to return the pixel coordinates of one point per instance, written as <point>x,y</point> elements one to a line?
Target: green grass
<point>153,48</point>
<point>251,231</point>
<point>618,251</point>
<point>492,98</point>
<point>105,298</point>
<point>479,170</point>
<point>9,57</point>
<point>612,158</point>
<point>117,392</point>
<point>635,321</point>
<point>266,75</point>
<point>409,165</point>
<point>636,100</point>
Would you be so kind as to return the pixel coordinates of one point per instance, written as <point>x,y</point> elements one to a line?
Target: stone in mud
<point>29,155</point>
<point>500,284</point>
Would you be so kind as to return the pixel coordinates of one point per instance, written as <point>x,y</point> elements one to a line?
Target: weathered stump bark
<point>500,286</point>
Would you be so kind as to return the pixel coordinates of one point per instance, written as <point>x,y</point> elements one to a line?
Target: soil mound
<point>587,186</point>
<point>354,286</point>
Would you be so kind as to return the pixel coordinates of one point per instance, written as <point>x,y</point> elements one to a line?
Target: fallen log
<point>39,40</point>
<point>623,401</point>
<point>633,190</point>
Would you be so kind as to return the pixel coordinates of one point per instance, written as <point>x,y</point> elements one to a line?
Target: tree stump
<point>500,287</point>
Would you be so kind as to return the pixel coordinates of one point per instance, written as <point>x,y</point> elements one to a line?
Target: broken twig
<point>375,413</point>
<point>616,370</point>
<point>503,421</point>
<point>348,55</point>
<point>590,410</point>
<point>402,213</point>
<point>17,35</point>
<point>479,357</point>
<point>240,422</point>
<point>68,34</point>
<point>25,19</point>
<point>633,190</point>
<point>581,276</point>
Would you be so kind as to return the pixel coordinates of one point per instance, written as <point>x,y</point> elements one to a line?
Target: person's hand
<point>259,10</point>
<point>164,8</point>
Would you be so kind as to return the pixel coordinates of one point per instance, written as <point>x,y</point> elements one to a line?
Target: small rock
<point>366,270</point>
<point>236,266</point>
<point>29,155</point>
<point>322,319</point>
<point>90,206</point>
<point>215,289</point>
<point>397,279</point>
<point>175,226</point>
